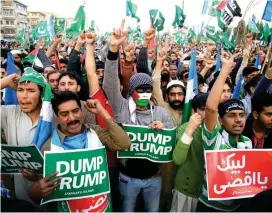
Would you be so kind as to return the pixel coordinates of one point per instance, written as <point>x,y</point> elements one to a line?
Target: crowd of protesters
<point>100,87</point>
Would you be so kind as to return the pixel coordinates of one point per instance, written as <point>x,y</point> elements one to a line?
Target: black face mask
<point>165,77</point>
<point>176,104</point>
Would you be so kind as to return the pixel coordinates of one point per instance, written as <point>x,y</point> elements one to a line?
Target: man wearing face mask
<point>136,175</point>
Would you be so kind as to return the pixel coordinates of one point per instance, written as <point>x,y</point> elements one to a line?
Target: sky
<point>109,13</point>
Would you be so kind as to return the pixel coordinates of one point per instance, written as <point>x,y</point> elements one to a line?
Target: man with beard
<point>175,92</point>
<point>175,95</point>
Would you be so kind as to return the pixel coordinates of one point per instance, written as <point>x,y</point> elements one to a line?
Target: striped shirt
<point>219,139</point>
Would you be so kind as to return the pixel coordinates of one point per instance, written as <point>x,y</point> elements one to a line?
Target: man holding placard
<point>21,122</point>
<point>232,118</point>
<point>136,175</point>
<point>87,168</point>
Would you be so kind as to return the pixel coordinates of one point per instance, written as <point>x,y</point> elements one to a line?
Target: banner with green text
<point>84,173</point>
<point>16,158</point>
<point>151,144</point>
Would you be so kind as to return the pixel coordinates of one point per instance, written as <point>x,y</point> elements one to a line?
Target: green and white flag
<point>191,35</point>
<point>211,33</point>
<point>157,19</point>
<point>179,18</point>
<point>59,25</point>
<point>260,27</point>
<point>132,10</point>
<point>225,15</point>
<point>92,27</point>
<point>41,31</point>
<point>84,173</point>
<point>78,24</point>
<point>151,144</point>
<point>228,45</point>
<point>266,32</point>
<point>21,35</point>
<point>16,158</point>
<point>252,27</point>
<point>179,39</point>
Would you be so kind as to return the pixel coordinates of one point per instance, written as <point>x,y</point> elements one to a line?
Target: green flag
<point>78,23</point>
<point>261,28</point>
<point>228,45</point>
<point>92,27</point>
<point>179,39</point>
<point>191,35</point>
<point>41,31</point>
<point>212,34</point>
<point>212,9</point>
<point>252,27</point>
<point>59,25</point>
<point>131,10</point>
<point>198,39</point>
<point>180,18</point>
<point>266,32</point>
<point>157,19</point>
<point>21,35</point>
<point>137,35</point>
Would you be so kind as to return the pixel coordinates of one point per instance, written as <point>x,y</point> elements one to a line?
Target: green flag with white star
<point>78,24</point>
<point>59,25</point>
<point>132,10</point>
<point>191,35</point>
<point>228,45</point>
<point>212,34</point>
<point>41,31</point>
<point>260,28</point>
<point>266,32</point>
<point>157,19</point>
<point>179,39</point>
<point>252,27</point>
<point>92,27</point>
<point>21,35</point>
<point>179,18</point>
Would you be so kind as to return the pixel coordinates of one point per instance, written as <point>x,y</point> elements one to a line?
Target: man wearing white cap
<point>17,55</point>
<point>175,98</point>
<point>175,93</point>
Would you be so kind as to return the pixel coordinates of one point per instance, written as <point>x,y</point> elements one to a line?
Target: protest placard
<point>16,158</point>
<point>84,173</point>
<point>233,174</point>
<point>151,144</point>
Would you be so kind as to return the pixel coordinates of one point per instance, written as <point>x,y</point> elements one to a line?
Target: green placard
<point>84,173</point>
<point>16,158</point>
<point>156,146</point>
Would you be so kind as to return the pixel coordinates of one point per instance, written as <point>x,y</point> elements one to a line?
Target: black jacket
<point>248,132</point>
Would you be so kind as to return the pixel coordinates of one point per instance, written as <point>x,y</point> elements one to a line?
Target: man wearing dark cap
<point>248,73</point>
<point>100,66</point>
<point>136,175</point>
<point>232,118</point>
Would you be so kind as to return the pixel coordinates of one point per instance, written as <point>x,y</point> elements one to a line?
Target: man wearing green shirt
<point>189,157</point>
<point>232,118</point>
